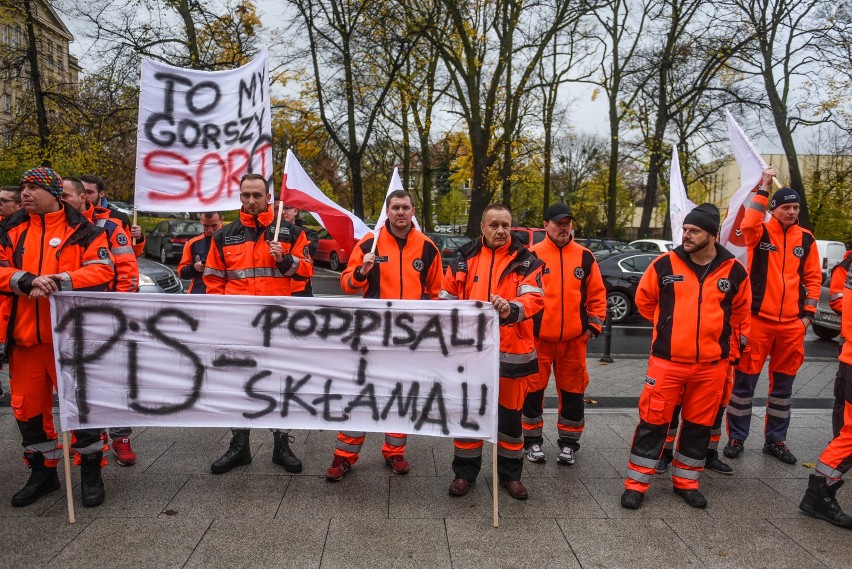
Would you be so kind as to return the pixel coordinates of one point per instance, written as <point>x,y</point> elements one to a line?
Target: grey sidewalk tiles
<point>412,497</point>
<point>359,496</point>
<point>250,498</point>
<point>36,542</point>
<point>385,544</point>
<point>829,544</point>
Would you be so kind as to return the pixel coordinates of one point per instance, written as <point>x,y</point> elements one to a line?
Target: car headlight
<point>145,280</point>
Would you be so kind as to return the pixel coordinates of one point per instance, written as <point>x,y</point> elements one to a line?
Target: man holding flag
<point>784,269</point>
<point>399,263</point>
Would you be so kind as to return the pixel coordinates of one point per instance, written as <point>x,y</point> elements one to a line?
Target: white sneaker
<point>566,456</point>
<point>535,454</point>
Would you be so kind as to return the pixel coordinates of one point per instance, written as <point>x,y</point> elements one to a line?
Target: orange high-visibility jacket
<point>196,249</point>
<point>120,245</point>
<point>61,242</point>
<point>513,273</point>
<point>123,221</point>
<point>239,261</point>
<point>846,321</point>
<point>693,320</point>
<point>838,283</point>
<point>409,269</point>
<point>574,293</point>
<point>783,265</point>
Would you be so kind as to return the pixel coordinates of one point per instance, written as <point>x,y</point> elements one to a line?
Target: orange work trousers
<point>836,459</point>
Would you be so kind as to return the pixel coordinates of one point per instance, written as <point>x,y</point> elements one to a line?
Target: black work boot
<point>43,480</point>
<point>91,484</point>
<point>713,463</point>
<point>281,453</point>
<point>820,502</point>
<point>238,453</point>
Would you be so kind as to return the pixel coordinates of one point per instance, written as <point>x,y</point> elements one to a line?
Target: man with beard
<point>695,295</point>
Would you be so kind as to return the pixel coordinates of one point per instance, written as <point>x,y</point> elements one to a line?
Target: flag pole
<point>134,222</point>
<point>494,484</point>
<point>66,459</point>
<point>278,221</point>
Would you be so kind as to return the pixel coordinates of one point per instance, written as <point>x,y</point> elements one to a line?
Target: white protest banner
<point>679,203</point>
<point>199,132</point>
<point>423,367</point>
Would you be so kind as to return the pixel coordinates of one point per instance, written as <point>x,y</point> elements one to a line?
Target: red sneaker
<point>398,464</point>
<point>338,469</point>
<point>123,452</point>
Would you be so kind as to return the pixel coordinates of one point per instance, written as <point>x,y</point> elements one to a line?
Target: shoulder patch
<point>670,279</point>
<point>418,265</point>
<point>799,251</point>
<point>235,239</point>
<point>724,285</point>
<point>579,273</point>
<point>122,239</point>
<point>306,252</point>
<point>103,253</point>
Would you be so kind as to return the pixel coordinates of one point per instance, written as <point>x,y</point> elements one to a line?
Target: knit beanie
<point>44,178</point>
<point>784,196</point>
<point>705,216</point>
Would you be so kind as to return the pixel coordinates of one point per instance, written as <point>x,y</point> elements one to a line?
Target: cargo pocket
<point>17,404</point>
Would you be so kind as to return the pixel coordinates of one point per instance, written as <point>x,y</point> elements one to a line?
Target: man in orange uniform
<point>195,252</point>
<point>247,258</point>
<point>820,500</point>
<point>695,295</point>
<point>291,215</point>
<point>96,195</point>
<point>785,274</point>
<point>835,298</point>
<point>46,248</point>
<point>574,311</point>
<point>498,269</point>
<point>406,265</point>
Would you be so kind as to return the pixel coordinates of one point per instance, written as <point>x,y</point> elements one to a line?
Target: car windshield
<point>456,241</point>
<point>187,227</point>
<point>538,236</point>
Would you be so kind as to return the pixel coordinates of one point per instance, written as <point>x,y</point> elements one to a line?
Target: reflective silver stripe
<point>208,272</point>
<point>529,289</point>
<point>639,476</point>
<point>810,302</point>
<point>688,474</point>
<point>758,206</point>
<point>444,295</point>
<point>507,439</point>
<point>596,320</point>
<point>715,431</point>
<point>395,441</point>
<point>65,283</point>
<point>568,423</point>
<point>642,461</point>
<point>50,449</point>
<point>831,297</point>
<point>683,459</point>
<point>738,412</point>
<point>778,400</point>
<point>348,448</point>
<point>13,282</point>
<point>252,273</point>
<point>468,453</point>
<point>531,420</point>
<point>293,268</point>
<point>713,444</point>
<point>826,470</point>
<point>122,251</point>
<point>777,413</point>
<point>573,435</point>
<point>97,262</point>
<point>501,451</point>
<point>507,358</point>
<point>742,400</point>
<point>92,448</point>
<point>521,311</point>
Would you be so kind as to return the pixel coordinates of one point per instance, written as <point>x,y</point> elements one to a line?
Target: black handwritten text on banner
<point>422,367</point>
<point>199,132</point>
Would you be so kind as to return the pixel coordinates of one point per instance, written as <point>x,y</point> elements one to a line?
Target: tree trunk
<point>35,76</point>
<point>426,177</point>
<point>612,178</point>
<point>185,10</point>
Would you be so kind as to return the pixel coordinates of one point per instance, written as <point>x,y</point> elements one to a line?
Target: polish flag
<point>679,204</point>
<point>395,184</point>
<point>298,190</point>
<point>751,169</point>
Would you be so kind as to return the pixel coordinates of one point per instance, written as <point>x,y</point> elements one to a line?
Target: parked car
<point>529,235</point>
<point>652,245</point>
<point>448,245</point>
<point>167,239</point>
<point>167,214</point>
<point>621,273</point>
<point>830,253</point>
<point>826,322</point>
<point>329,251</point>
<point>121,207</point>
<point>154,277</point>
<point>604,247</point>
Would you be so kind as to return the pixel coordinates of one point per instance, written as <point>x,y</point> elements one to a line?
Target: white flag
<point>395,184</point>
<point>679,204</point>
<point>298,190</point>
<point>751,169</point>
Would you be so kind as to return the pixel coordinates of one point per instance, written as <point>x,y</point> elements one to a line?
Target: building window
<point>16,38</point>
<point>7,103</point>
<point>5,35</point>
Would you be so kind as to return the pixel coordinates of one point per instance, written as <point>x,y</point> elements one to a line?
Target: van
<point>830,253</point>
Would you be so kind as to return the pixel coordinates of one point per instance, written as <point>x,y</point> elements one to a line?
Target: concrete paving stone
<point>198,436</point>
<point>750,498</point>
<point>551,498</point>
<point>754,464</point>
<point>14,481</point>
<point>794,490</point>
<point>386,544</point>
<point>829,544</point>
<point>130,496</point>
<point>591,463</point>
<point>147,453</point>
<point>188,457</point>
<point>273,544</point>
<point>210,496</point>
<point>516,543</point>
<point>627,543</point>
<point>753,543</point>
<point>660,501</point>
<point>36,542</point>
<point>358,495</point>
<point>421,497</point>
<point>133,542</point>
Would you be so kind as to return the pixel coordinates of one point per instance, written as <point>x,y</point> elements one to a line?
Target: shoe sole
<point>566,462</point>
<point>35,499</point>
<point>820,516</point>
<point>732,454</point>
<point>537,460</point>
<point>728,473</point>
<point>228,469</point>
<point>124,462</point>
<point>768,453</point>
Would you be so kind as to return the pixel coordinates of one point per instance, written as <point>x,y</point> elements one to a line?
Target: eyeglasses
<point>7,200</point>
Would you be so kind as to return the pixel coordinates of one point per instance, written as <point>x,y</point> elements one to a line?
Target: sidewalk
<point>169,511</point>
